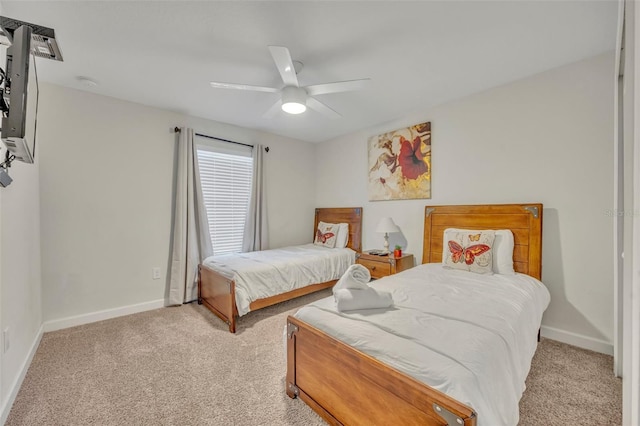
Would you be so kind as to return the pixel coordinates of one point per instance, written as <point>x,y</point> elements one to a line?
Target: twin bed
<point>232,285</point>
<point>456,347</point>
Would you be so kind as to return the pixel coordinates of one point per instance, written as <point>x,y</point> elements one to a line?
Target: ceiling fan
<point>294,98</point>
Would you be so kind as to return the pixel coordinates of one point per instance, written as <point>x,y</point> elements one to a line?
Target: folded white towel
<point>353,299</point>
<point>356,276</point>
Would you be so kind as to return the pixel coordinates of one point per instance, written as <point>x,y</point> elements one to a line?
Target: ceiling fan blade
<point>338,86</point>
<point>283,61</point>
<point>220,85</point>
<point>271,112</point>
<point>322,108</point>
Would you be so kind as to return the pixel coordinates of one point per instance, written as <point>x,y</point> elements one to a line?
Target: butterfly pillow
<point>503,246</point>
<point>469,250</point>
<point>326,235</point>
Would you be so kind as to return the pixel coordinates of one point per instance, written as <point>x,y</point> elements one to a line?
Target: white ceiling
<point>417,54</point>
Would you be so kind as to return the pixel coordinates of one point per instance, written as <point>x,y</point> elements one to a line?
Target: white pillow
<point>341,231</point>
<point>343,235</point>
<point>502,250</point>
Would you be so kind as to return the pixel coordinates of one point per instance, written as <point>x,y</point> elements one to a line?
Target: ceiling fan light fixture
<point>294,100</point>
<point>294,108</point>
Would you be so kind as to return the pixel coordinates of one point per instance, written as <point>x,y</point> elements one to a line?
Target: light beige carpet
<point>180,366</point>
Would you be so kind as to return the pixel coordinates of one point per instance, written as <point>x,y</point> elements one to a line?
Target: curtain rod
<point>177,130</point>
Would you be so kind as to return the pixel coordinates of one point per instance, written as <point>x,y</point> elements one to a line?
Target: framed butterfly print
<point>400,164</point>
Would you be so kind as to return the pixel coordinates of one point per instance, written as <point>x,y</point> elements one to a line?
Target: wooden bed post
<point>218,293</point>
<point>291,388</point>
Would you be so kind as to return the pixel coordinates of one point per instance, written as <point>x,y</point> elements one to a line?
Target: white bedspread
<point>261,274</point>
<point>468,335</point>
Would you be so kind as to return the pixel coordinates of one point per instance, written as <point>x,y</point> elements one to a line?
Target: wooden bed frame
<point>346,386</point>
<point>218,293</point>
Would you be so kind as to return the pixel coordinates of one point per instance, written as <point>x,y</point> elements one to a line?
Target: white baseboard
<point>17,383</point>
<point>578,340</point>
<point>101,315</point>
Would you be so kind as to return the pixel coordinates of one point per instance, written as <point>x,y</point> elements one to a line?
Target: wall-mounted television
<point>20,92</point>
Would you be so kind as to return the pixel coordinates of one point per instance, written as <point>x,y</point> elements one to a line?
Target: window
<point>226,174</point>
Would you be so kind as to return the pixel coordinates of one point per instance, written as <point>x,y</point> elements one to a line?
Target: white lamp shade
<point>387,225</point>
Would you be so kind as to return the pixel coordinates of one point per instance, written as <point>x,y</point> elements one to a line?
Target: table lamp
<point>387,225</point>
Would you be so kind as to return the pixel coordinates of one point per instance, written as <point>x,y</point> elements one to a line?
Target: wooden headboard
<point>350,215</point>
<point>524,220</point>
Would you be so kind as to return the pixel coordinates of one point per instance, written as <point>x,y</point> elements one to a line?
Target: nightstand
<point>382,266</point>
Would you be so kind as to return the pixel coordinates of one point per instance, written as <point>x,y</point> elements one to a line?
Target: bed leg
<point>292,389</point>
<point>233,310</point>
<point>199,284</point>
<point>538,335</point>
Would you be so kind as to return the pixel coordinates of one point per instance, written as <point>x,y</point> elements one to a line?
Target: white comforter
<point>266,273</point>
<point>468,335</point>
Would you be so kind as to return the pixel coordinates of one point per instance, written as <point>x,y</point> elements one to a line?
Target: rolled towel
<point>356,276</point>
<point>348,299</point>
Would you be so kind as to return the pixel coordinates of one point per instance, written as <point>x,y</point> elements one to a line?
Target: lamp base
<point>386,243</point>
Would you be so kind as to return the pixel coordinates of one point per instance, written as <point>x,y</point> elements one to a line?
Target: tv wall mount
<point>43,39</point>
<point>24,40</point>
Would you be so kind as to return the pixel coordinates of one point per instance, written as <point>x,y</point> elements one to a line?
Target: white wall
<point>631,286</point>
<point>105,181</point>
<point>546,138</point>
<point>20,289</point>
<point>20,270</point>
<point>106,193</point>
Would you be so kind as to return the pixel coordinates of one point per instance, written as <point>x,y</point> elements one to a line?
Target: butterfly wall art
<point>400,164</point>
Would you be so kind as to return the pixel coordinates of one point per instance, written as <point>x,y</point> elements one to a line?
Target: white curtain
<point>191,239</point>
<point>255,227</point>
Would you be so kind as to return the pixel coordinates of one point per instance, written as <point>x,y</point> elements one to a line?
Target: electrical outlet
<point>155,273</point>
<point>5,339</point>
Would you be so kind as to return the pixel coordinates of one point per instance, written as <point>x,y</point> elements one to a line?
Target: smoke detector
<point>87,82</point>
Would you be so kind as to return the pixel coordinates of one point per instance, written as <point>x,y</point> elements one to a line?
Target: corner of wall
<point>7,402</point>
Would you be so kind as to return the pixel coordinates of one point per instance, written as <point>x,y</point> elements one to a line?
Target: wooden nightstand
<point>382,266</point>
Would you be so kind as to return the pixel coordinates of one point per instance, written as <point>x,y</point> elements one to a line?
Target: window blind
<point>226,187</point>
